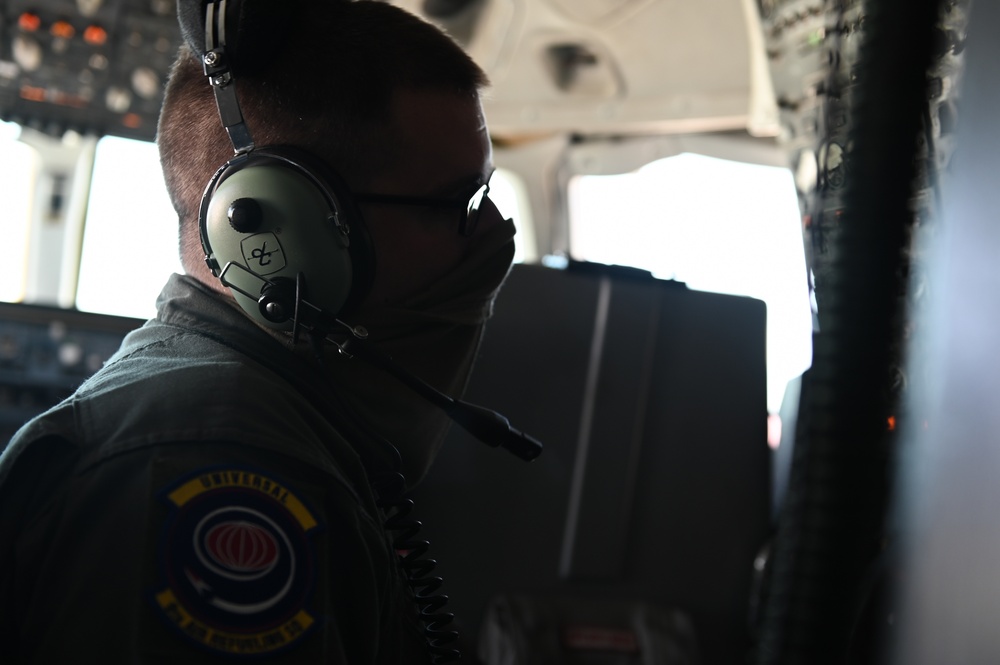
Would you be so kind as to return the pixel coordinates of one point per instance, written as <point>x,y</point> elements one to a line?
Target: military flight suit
<point>197,500</point>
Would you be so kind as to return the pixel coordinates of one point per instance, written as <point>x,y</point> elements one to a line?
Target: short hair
<point>328,90</point>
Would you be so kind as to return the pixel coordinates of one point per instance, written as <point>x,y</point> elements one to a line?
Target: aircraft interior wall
<point>868,94</point>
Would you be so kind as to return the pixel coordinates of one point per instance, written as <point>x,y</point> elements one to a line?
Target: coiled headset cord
<point>389,486</point>
<point>389,489</point>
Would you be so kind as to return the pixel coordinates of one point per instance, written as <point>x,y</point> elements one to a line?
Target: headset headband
<point>218,68</point>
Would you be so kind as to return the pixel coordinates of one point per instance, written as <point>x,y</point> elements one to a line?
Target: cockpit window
<point>18,165</point>
<point>717,225</point>
<point>131,236</point>
<point>508,192</point>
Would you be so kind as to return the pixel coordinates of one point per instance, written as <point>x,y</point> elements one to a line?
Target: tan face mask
<point>434,335</point>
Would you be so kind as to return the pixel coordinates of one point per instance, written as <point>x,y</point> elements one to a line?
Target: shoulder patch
<point>237,562</point>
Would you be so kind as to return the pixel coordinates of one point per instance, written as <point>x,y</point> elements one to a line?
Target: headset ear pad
<point>268,217</point>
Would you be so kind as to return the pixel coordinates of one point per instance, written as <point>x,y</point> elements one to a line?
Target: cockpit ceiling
<point>582,66</point>
<point>615,66</point>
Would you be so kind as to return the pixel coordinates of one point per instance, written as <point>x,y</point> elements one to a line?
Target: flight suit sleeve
<point>26,496</point>
<point>205,553</point>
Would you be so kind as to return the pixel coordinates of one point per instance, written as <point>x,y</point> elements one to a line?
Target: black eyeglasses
<point>468,206</point>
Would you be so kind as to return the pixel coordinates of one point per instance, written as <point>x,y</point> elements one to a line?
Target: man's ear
<point>193,258</point>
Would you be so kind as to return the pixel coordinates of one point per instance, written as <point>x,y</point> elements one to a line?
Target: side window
<point>508,193</point>
<point>717,225</point>
<point>18,165</point>
<point>130,242</point>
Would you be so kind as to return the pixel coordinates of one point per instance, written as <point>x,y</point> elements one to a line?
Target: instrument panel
<point>89,66</point>
<point>46,353</point>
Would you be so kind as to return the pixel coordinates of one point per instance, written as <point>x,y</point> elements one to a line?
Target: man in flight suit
<point>219,490</point>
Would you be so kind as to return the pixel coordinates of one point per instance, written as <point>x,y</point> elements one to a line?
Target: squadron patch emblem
<point>237,562</point>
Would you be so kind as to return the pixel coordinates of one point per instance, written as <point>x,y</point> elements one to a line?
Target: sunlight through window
<point>130,245</point>
<point>717,225</point>
<point>509,194</point>
<point>18,166</point>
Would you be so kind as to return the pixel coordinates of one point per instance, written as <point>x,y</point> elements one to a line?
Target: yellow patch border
<point>242,479</point>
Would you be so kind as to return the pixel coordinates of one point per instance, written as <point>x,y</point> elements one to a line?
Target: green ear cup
<point>268,222</point>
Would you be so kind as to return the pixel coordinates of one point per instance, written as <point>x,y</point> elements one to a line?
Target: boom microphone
<point>281,300</point>
<point>488,426</point>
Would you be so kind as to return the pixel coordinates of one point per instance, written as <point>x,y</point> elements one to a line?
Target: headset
<point>283,232</point>
<point>279,227</point>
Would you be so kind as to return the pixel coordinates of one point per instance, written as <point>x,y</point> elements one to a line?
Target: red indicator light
<point>132,120</point>
<point>33,94</point>
<point>892,423</point>
<point>29,22</point>
<point>95,35</point>
<point>67,99</point>
<point>62,29</point>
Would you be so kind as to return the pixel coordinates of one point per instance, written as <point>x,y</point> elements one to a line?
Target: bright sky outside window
<point>130,245</point>
<point>18,163</point>
<point>720,226</point>
<point>507,192</point>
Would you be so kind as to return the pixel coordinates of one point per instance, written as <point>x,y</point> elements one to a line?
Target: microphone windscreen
<point>494,429</point>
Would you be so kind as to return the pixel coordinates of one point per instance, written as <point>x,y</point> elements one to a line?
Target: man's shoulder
<point>169,356</point>
<point>135,540</point>
<point>180,385</point>
<point>171,386</point>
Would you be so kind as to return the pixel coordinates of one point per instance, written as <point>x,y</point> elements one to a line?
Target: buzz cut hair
<point>328,90</point>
